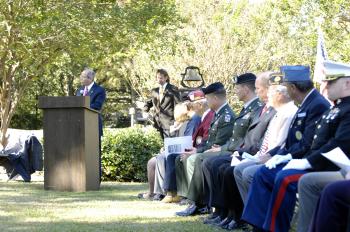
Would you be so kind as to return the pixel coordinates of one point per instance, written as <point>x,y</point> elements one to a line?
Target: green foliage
<point>125,153</point>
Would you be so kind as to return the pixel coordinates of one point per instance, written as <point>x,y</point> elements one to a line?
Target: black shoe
<point>147,196</point>
<point>214,221</point>
<point>233,225</point>
<point>185,201</point>
<point>225,222</point>
<point>210,217</point>
<point>189,211</point>
<point>204,210</point>
<point>158,197</point>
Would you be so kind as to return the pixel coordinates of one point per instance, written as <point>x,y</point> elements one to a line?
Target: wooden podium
<point>71,144</point>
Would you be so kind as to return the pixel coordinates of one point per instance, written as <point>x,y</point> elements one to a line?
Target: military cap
<point>295,73</point>
<point>275,78</point>
<point>334,70</point>
<point>244,78</point>
<point>196,95</point>
<point>212,88</point>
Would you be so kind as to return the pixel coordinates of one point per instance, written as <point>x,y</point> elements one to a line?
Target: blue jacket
<point>302,129</point>
<point>97,98</point>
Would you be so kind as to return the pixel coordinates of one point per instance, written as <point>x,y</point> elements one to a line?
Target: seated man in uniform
<point>264,203</point>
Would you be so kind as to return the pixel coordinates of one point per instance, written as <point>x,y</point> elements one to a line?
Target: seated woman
<point>184,125</point>
<point>198,106</point>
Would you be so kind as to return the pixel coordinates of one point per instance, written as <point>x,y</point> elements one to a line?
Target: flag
<point>321,56</point>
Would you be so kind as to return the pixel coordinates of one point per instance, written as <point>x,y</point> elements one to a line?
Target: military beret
<point>244,78</point>
<point>196,95</point>
<point>275,78</point>
<point>334,70</point>
<point>212,88</point>
<point>295,73</point>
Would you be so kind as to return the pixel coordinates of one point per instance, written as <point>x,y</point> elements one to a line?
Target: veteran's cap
<point>244,78</point>
<point>196,95</point>
<point>334,70</point>
<point>295,73</point>
<point>275,78</point>
<point>212,88</point>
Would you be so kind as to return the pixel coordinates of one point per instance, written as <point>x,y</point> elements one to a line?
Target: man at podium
<point>97,98</point>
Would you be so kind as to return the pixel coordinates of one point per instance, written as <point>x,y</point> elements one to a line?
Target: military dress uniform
<point>245,118</point>
<point>220,130</point>
<point>210,169</point>
<point>272,190</point>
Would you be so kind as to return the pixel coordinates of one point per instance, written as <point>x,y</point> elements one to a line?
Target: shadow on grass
<point>32,192</point>
<point>28,207</point>
<point>133,224</point>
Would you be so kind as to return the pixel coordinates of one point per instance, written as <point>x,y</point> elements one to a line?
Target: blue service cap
<point>244,78</point>
<point>295,73</point>
<point>213,88</point>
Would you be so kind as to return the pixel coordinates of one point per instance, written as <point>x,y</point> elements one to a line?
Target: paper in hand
<point>177,144</point>
<point>338,157</point>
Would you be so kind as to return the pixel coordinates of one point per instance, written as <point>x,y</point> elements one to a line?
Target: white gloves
<point>299,164</point>
<point>248,156</point>
<point>278,159</point>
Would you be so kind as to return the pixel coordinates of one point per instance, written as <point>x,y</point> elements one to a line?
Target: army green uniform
<point>219,132</point>
<point>240,128</point>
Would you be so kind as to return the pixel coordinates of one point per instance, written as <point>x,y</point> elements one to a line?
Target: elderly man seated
<point>22,155</point>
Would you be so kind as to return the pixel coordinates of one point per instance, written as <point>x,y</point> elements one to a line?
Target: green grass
<point>28,207</point>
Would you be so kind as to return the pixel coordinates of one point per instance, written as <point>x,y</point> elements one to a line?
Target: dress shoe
<point>204,210</point>
<point>158,197</point>
<point>213,221</point>
<point>171,199</point>
<point>210,217</point>
<point>233,225</point>
<point>224,222</point>
<point>189,211</point>
<point>185,201</point>
<point>146,196</point>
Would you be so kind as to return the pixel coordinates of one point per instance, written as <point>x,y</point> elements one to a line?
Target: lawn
<point>28,207</point>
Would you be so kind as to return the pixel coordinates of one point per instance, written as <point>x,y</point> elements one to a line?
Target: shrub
<point>125,152</point>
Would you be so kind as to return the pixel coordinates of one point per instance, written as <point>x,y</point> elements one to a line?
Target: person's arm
<point>148,104</point>
<point>341,139</point>
<point>100,99</point>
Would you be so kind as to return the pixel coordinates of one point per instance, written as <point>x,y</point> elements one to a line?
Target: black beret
<point>244,78</point>
<point>213,88</point>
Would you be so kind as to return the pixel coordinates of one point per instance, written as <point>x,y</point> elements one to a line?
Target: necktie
<point>161,93</point>
<point>263,110</point>
<point>265,144</point>
<point>86,91</point>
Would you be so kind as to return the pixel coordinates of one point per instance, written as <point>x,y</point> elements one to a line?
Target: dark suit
<point>97,98</point>
<point>256,131</point>
<point>164,109</point>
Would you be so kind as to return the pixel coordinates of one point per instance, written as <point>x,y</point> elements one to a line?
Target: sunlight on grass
<point>28,207</point>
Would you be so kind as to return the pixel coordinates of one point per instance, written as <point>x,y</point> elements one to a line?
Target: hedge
<point>125,152</point>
